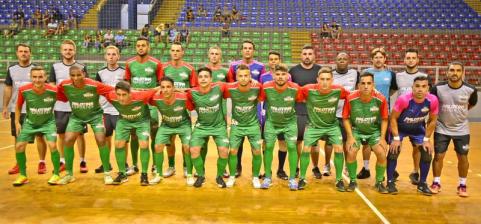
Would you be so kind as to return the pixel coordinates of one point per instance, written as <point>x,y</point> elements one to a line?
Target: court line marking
<point>6,147</point>
<point>361,195</point>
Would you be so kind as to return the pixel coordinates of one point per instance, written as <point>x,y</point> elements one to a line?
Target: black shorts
<point>12,123</point>
<point>61,120</point>
<point>110,122</point>
<point>441,143</point>
<point>301,126</point>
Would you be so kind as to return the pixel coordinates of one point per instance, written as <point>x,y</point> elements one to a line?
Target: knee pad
<point>425,157</point>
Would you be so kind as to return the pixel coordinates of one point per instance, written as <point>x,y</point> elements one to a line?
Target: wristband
<point>425,139</point>
<point>396,138</point>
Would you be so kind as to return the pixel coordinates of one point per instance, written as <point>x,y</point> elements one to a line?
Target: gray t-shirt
<point>60,72</point>
<point>111,78</point>
<point>348,80</point>
<point>303,76</point>
<point>453,108</point>
<point>405,81</point>
<point>17,76</point>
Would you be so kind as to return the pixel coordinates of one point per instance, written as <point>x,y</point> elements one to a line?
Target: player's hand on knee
<point>428,147</point>
<point>395,146</point>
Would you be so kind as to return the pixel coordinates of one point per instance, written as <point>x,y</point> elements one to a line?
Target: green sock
<point>22,162</point>
<point>144,159</point>
<point>380,170</point>
<point>305,158</point>
<point>292,157</point>
<point>55,157</point>
<point>69,154</point>
<point>338,164</point>
<point>120,157</point>
<point>256,164</point>
<point>221,165</point>
<point>199,165</point>
<point>171,161</point>
<point>159,160</point>
<point>268,155</point>
<point>188,163</point>
<point>105,157</point>
<point>232,164</point>
<point>134,151</point>
<point>352,168</point>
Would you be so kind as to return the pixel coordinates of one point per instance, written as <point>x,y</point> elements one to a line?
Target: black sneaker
<point>220,182</point>
<point>395,175</point>
<point>144,180</point>
<point>352,186</point>
<point>200,180</point>
<point>302,184</point>
<point>424,189</point>
<point>317,172</point>
<point>297,172</point>
<point>238,173</point>
<point>120,179</point>
<point>391,187</point>
<point>83,167</point>
<point>281,174</point>
<point>100,169</point>
<point>414,177</point>
<point>381,188</point>
<point>340,186</point>
<point>363,174</point>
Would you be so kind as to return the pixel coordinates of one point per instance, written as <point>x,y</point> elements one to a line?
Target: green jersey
<point>321,108</point>
<point>174,114</point>
<point>84,101</point>
<point>144,75</point>
<point>39,104</point>
<point>137,109</point>
<point>280,103</point>
<point>365,117</point>
<point>244,104</point>
<point>183,75</point>
<point>208,105</point>
<point>219,74</point>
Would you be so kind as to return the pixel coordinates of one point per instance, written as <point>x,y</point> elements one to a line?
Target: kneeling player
<point>40,100</point>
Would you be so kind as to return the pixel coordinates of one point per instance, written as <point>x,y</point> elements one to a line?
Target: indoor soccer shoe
<point>120,179</point>
<point>435,188</point>
<point>21,180</point>
<point>66,179</point>
<point>199,182</point>
<point>256,183</point>
<point>54,179</point>
<point>363,174</point>
<point>230,182</point>
<point>157,179</point>
<point>414,177</point>
<point>293,184</point>
<point>424,189</point>
<point>340,186</point>
<point>352,186</point>
<point>316,172</point>
<point>391,187</point>
<point>302,184</point>
<point>281,174</point>
<point>42,168</point>
<point>190,180</point>
<point>144,180</point>
<point>381,188</point>
<point>169,172</point>
<point>267,183</point>
<point>14,170</point>
<point>132,170</point>
<point>326,171</point>
<point>220,182</point>
<point>462,191</point>
<point>108,180</point>
<point>83,167</point>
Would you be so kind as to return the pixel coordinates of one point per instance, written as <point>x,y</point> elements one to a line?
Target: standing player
<point>456,98</point>
<point>83,95</point>
<point>274,58</point>
<point>174,109</point>
<point>248,51</point>
<point>134,118</point>
<point>219,73</point>
<point>321,102</point>
<point>306,73</point>
<point>408,119</point>
<point>348,79</point>
<point>110,75</point>
<point>365,117</point>
<point>40,100</point>
<point>61,71</point>
<point>244,95</point>
<point>18,75</point>
<point>184,78</point>
<point>280,97</point>
<point>207,100</point>
<point>405,82</point>
<point>385,81</point>
<point>143,72</point>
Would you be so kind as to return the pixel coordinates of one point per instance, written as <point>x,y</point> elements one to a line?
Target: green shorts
<point>76,124</point>
<point>289,131</point>
<point>371,139</point>
<point>201,134</point>
<point>165,132</point>
<point>154,116</point>
<point>252,133</point>
<point>331,134</point>
<point>29,131</point>
<point>124,128</point>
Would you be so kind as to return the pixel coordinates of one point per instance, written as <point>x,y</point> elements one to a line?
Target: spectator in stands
<point>235,14</point>
<point>201,11</point>
<point>325,31</point>
<point>335,30</point>
<point>120,40</point>
<point>99,40</point>
<point>46,17</point>
<point>172,34</point>
<point>19,17</point>
<point>160,34</point>
<point>35,20</point>
<point>225,30</point>
<point>145,32</point>
<point>184,35</point>
<point>108,38</point>
<point>226,14</point>
<point>217,14</point>
<point>61,28</point>
<point>87,41</point>
<point>56,15</point>
<point>190,14</point>
<point>72,20</point>
<point>52,27</point>
<point>12,30</point>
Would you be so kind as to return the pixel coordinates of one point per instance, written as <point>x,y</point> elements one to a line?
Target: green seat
<point>276,35</point>
<point>233,46</point>
<point>275,40</point>
<point>235,34</point>
<point>202,45</point>
<point>276,47</point>
<point>206,34</point>
<point>256,39</point>
<point>195,39</point>
<point>256,35</point>
<point>265,47</point>
<point>224,46</point>
<point>287,54</point>
<point>195,34</point>
<point>2,56</point>
<point>235,40</point>
<point>204,39</point>
<point>214,39</point>
<point>189,52</point>
<point>8,43</point>
<point>285,35</point>
<point>216,34</point>
<point>286,47</point>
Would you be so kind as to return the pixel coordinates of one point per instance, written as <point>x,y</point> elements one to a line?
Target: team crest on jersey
<point>48,100</point>
<point>214,97</point>
<point>136,108</point>
<point>179,108</point>
<point>332,100</point>
<point>252,98</point>
<point>463,98</point>
<point>145,133</point>
<point>220,76</point>
<point>88,95</point>
<point>183,75</point>
<point>289,98</point>
<point>425,110</point>
<point>374,109</point>
<point>255,72</point>
<point>149,70</point>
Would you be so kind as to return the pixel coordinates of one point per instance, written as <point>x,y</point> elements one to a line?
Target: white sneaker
<point>132,170</point>
<point>230,182</point>
<point>190,180</point>
<point>169,172</point>
<point>67,179</point>
<point>157,179</point>
<point>326,171</point>
<point>108,180</point>
<point>256,183</point>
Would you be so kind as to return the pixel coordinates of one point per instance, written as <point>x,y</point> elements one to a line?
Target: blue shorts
<point>416,139</point>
